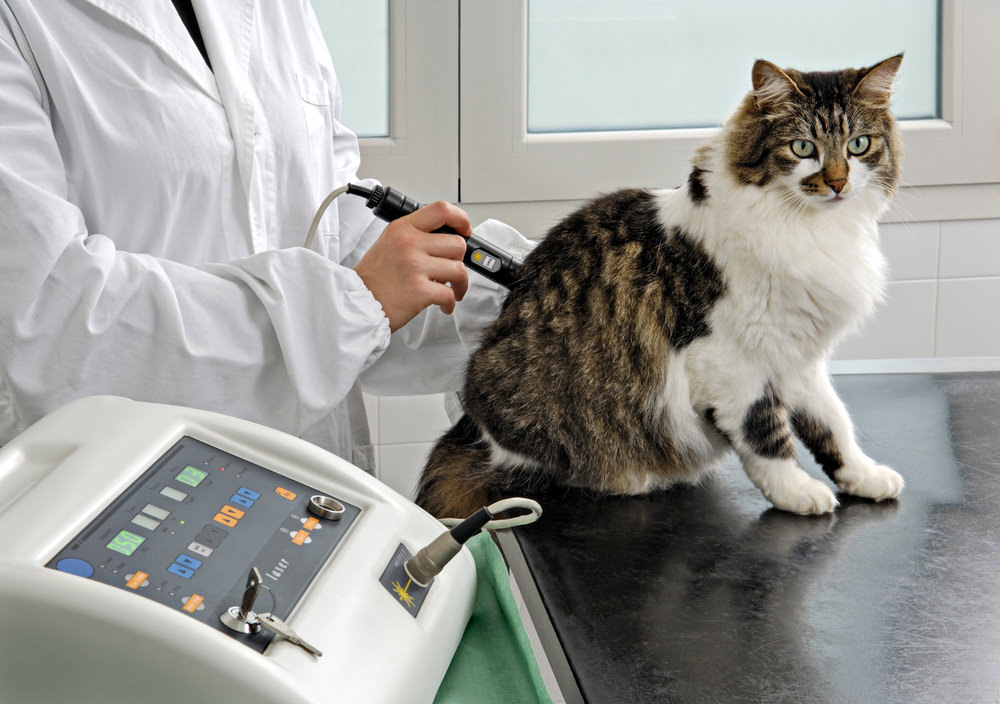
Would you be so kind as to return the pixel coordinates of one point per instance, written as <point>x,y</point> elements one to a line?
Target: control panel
<point>190,529</point>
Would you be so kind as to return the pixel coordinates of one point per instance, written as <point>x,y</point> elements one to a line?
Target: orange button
<point>192,604</point>
<point>290,495</point>
<point>300,537</point>
<point>310,523</point>
<point>137,579</point>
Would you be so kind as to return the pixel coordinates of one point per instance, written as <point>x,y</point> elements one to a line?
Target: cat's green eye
<point>803,148</point>
<point>859,145</point>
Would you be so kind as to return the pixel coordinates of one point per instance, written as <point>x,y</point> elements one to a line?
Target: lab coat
<point>152,212</point>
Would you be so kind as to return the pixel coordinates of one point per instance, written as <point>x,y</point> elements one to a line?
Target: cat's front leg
<point>821,421</point>
<point>760,431</point>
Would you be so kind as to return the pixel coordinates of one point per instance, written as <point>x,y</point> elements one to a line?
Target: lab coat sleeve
<point>428,354</point>
<point>279,337</point>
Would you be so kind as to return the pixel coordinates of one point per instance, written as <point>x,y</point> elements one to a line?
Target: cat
<point>652,331</point>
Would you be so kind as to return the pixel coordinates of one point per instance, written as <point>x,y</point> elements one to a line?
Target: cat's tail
<point>458,479</point>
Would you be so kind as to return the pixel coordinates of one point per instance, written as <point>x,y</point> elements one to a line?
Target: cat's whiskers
<point>897,189</point>
<point>792,199</point>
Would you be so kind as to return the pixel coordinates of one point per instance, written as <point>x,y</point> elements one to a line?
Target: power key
<point>277,625</point>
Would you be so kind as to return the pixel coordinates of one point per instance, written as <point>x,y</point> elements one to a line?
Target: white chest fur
<point>796,281</point>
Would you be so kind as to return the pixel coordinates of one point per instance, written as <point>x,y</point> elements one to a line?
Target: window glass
<point>358,36</point>
<point>660,64</point>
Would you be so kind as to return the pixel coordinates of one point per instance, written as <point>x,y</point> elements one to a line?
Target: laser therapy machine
<point>159,554</point>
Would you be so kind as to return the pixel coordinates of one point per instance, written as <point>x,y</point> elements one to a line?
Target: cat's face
<point>817,138</point>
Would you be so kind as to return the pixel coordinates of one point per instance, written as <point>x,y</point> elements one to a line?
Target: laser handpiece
<point>494,263</point>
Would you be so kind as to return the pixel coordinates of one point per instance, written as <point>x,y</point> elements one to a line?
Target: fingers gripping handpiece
<point>388,204</point>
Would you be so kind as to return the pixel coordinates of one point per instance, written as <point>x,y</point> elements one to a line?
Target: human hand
<point>410,267</point>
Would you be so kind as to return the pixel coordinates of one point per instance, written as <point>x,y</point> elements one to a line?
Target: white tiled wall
<point>943,300</point>
<point>404,428</point>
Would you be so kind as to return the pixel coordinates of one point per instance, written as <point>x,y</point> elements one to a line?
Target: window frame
<point>944,171</point>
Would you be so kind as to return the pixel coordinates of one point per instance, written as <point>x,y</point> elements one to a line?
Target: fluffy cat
<point>652,331</point>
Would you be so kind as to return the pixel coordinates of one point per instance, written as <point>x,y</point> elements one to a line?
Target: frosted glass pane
<point>358,36</point>
<point>654,64</point>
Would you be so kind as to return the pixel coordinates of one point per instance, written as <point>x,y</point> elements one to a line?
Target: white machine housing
<point>67,638</point>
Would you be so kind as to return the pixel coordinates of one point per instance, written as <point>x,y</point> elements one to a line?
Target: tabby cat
<point>652,331</point>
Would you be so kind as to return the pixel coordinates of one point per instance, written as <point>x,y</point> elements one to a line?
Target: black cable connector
<point>356,189</point>
<point>471,525</point>
<point>429,561</point>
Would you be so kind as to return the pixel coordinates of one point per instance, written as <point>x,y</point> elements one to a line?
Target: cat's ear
<point>875,87</point>
<point>771,86</point>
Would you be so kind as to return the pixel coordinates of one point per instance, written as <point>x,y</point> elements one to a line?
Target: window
<point>665,64</point>
<point>358,37</point>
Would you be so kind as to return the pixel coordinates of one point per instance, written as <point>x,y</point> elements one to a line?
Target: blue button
<point>248,493</point>
<point>180,571</point>
<point>76,566</point>
<point>188,561</point>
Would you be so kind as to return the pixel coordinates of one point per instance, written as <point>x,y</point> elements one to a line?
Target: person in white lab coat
<point>153,204</point>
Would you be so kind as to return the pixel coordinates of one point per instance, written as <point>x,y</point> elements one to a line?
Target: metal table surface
<point>705,594</point>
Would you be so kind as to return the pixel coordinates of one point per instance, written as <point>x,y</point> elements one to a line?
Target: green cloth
<point>494,661</point>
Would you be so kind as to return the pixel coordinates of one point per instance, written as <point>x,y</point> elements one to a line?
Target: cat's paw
<point>870,481</point>
<point>810,496</point>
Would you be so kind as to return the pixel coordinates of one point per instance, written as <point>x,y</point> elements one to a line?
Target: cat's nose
<point>837,184</point>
